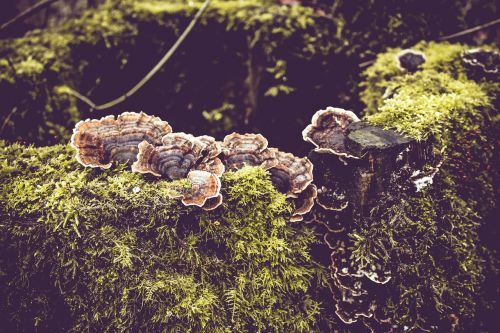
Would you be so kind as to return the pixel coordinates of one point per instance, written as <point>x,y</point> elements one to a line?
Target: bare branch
<point>151,73</point>
<point>27,13</point>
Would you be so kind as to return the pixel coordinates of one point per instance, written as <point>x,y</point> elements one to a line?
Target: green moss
<point>438,100</point>
<point>112,252</point>
<point>431,239</point>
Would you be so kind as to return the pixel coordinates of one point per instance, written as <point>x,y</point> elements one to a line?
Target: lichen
<point>97,236</point>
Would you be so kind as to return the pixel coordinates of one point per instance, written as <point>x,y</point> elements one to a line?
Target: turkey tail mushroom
<point>328,131</point>
<point>204,186</point>
<point>239,150</point>
<point>100,142</point>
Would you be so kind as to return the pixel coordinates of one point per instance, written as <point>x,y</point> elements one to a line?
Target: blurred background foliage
<point>249,66</point>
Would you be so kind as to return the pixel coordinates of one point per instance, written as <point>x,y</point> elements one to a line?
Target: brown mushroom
<point>291,175</point>
<point>488,61</point>
<point>100,142</point>
<point>328,131</point>
<point>239,150</point>
<point>179,154</point>
<point>213,203</point>
<point>204,186</point>
<point>304,203</point>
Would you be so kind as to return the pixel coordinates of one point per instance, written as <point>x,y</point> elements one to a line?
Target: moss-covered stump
<point>107,251</point>
<point>248,65</point>
<point>428,228</point>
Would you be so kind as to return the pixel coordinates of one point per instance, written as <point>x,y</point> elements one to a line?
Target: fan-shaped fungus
<point>328,131</point>
<point>100,142</point>
<point>239,150</point>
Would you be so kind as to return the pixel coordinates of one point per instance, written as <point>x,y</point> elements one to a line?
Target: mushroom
<point>213,147</point>
<point>239,150</point>
<point>204,186</point>
<point>100,142</point>
<point>488,61</point>
<point>304,203</point>
<point>182,156</point>
<point>410,60</point>
<point>213,203</point>
<point>291,175</point>
<point>328,131</point>
<point>179,154</point>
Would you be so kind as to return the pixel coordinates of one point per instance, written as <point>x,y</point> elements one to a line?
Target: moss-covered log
<point>86,250</point>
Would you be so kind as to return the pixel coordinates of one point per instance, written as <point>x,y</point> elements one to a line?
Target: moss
<point>74,238</point>
<point>431,239</point>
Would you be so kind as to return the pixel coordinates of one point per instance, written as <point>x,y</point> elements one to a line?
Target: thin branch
<point>27,13</point>
<point>471,30</point>
<point>151,73</point>
<point>6,120</point>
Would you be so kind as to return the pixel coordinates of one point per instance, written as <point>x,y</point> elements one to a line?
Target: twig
<point>27,13</point>
<point>6,120</point>
<point>151,73</point>
<point>471,30</point>
<point>458,34</point>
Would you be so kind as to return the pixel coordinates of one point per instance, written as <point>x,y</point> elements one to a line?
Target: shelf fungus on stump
<point>410,60</point>
<point>239,150</point>
<point>182,156</point>
<point>328,131</point>
<point>481,62</point>
<point>292,176</point>
<point>100,142</point>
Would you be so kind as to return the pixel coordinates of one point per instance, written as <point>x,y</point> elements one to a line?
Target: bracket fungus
<point>178,154</point>
<point>204,186</point>
<point>410,60</point>
<point>488,61</point>
<point>100,142</point>
<point>239,150</point>
<point>328,131</point>
<point>304,203</point>
<point>291,175</point>
<point>182,156</point>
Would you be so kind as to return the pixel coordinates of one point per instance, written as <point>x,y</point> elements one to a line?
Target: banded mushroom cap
<point>204,186</point>
<point>100,142</point>
<point>291,175</point>
<point>328,131</point>
<point>179,154</point>
<point>410,60</point>
<point>213,148</point>
<point>487,60</point>
<point>213,203</point>
<point>304,203</point>
<point>239,150</point>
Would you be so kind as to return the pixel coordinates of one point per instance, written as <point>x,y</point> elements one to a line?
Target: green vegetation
<point>108,250</point>
<point>431,239</point>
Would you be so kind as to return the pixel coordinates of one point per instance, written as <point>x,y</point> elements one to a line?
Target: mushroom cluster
<point>149,146</point>
<point>357,289</point>
<point>290,174</point>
